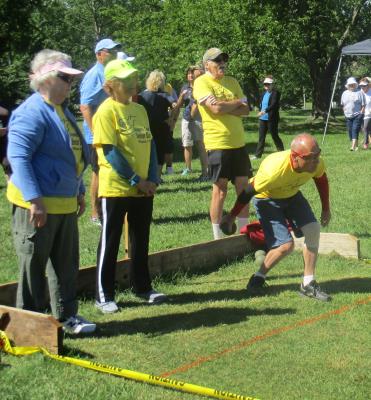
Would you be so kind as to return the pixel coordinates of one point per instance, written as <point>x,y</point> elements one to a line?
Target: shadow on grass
<point>347,285</point>
<point>76,353</point>
<point>208,317</point>
<point>185,188</point>
<point>182,219</point>
<point>362,235</point>
<point>284,276</point>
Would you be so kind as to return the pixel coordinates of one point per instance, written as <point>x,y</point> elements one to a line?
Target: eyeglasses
<point>65,78</point>
<point>308,156</point>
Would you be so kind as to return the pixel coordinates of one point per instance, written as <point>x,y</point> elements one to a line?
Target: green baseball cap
<point>120,69</point>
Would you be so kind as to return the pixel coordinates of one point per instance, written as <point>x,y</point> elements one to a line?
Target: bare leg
<point>310,259</point>
<point>218,196</point>
<point>275,255</point>
<point>188,157</point>
<point>203,156</point>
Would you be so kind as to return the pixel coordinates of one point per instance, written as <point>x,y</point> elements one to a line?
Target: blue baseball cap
<point>106,44</point>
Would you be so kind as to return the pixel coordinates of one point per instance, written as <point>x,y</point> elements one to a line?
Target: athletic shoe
<point>313,291</point>
<point>77,324</point>
<point>257,286</point>
<point>153,297</point>
<point>186,171</point>
<point>107,307</point>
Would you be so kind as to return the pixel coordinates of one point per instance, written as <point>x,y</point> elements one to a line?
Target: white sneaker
<point>153,297</point>
<point>108,307</point>
<point>186,171</point>
<point>169,171</point>
<point>77,324</point>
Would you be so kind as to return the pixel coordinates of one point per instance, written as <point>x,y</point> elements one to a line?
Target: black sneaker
<point>257,286</point>
<point>313,291</point>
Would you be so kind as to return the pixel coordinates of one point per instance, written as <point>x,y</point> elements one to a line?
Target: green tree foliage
<point>297,41</point>
<point>318,30</point>
<point>15,29</point>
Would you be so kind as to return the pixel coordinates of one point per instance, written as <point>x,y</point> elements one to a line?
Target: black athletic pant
<point>139,210</point>
<point>264,127</point>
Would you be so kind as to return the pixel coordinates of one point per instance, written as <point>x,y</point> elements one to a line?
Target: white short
<point>191,131</point>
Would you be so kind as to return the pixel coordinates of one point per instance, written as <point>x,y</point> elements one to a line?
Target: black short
<point>93,158</point>
<point>164,145</point>
<point>229,164</point>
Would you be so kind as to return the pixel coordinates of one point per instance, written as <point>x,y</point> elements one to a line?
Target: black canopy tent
<point>357,49</point>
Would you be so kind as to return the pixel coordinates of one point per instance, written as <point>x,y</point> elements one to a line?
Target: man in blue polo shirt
<point>92,95</point>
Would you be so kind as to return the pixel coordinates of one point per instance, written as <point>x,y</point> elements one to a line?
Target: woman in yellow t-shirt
<point>127,183</point>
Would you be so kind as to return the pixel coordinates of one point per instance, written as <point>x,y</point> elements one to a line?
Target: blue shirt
<point>264,106</point>
<point>40,151</point>
<point>92,94</point>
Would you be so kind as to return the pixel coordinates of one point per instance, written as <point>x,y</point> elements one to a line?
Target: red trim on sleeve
<point>238,207</point>
<point>324,191</point>
<point>243,199</point>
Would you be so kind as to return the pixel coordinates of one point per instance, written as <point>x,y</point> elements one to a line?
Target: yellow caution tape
<point>108,369</point>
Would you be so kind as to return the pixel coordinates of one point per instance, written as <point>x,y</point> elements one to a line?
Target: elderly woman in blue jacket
<point>48,156</point>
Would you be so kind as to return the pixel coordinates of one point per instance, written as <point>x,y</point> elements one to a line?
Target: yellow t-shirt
<point>276,178</point>
<point>54,205</point>
<point>220,131</point>
<point>125,126</point>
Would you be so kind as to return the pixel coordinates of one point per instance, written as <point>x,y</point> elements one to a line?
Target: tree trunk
<point>321,94</point>
<point>322,84</point>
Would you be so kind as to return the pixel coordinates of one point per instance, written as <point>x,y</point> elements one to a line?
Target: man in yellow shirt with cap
<point>222,105</point>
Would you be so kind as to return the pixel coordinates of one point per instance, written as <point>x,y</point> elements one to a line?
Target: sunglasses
<point>66,78</point>
<point>110,51</point>
<point>220,59</point>
<point>309,156</point>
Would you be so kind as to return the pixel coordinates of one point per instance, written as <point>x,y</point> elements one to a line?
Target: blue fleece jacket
<point>40,151</point>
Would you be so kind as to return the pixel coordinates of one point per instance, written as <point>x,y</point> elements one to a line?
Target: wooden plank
<point>198,257</point>
<point>342,244</point>
<point>28,328</point>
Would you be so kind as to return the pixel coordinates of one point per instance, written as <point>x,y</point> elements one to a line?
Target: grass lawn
<point>280,346</point>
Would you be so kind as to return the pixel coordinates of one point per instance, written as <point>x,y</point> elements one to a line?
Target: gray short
<point>191,132</point>
<point>274,214</point>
